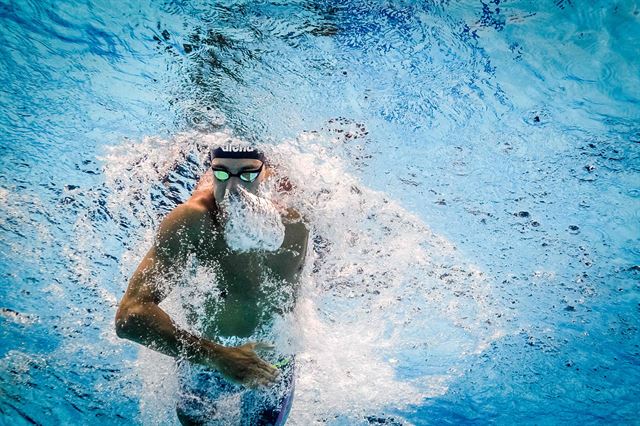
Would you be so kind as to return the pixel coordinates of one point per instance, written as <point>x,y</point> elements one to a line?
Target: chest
<point>243,271</point>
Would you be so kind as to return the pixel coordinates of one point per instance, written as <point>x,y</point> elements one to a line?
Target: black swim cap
<point>231,150</point>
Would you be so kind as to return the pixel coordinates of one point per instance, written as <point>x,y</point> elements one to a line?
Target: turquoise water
<point>469,169</point>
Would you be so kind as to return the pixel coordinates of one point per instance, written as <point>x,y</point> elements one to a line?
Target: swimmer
<point>199,227</point>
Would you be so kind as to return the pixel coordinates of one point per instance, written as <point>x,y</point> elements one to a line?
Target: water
<point>469,169</point>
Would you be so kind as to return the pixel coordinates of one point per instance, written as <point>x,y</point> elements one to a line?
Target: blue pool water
<point>470,170</point>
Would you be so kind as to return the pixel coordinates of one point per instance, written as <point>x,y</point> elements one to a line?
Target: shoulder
<point>183,215</point>
<point>184,224</point>
<point>296,230</point>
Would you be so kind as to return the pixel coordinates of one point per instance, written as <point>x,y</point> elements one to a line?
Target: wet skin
<point>195,227</point>
<point>245,305</point>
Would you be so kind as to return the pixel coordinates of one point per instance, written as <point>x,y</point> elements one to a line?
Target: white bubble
<point>252,223</point>
<point>388,313</point>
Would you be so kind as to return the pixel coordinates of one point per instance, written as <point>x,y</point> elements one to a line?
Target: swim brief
<point>208,398</point>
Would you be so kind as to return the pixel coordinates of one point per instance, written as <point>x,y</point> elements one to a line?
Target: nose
<point>232,185</point>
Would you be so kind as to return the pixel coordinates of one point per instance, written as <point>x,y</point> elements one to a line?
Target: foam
<point>387,311</point>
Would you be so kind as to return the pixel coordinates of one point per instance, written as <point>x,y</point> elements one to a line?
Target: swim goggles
<point>224,175</point>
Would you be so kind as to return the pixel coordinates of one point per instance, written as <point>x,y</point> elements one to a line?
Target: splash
<point>252,222</point>
<point>388,312</point>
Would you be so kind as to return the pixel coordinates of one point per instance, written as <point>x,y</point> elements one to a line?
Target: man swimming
<point>206,226</point>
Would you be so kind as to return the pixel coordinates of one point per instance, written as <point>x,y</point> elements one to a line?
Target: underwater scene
<point>468,172</point>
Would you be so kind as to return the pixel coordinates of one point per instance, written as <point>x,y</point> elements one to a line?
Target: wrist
<point>209,353</point>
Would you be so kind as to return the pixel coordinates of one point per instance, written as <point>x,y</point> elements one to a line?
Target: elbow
<point>127,320</point>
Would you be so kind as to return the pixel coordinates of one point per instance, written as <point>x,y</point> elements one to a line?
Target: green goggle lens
<point>223,175</point>
<point>249,176</point>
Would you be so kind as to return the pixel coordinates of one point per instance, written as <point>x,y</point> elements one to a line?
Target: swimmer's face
<point>252,172</point>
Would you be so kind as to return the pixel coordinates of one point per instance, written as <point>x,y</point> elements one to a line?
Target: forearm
<point>150,326</point>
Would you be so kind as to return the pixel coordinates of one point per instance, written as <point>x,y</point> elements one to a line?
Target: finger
<point>273,371</point>
<point>250,345</point>
<point>273,377</point>
<point>263,346</point>
<point>269,369</point>
<point>259,381</point>
<point>270,376</point>
<point>267,381</point>
<point>255,382</point>
<point>264,369</point>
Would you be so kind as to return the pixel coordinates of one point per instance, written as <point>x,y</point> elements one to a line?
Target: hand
<point>241,364</point>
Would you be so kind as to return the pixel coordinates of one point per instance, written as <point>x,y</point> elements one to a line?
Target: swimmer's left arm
<point>205,182</point>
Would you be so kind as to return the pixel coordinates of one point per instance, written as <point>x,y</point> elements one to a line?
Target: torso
<point>253,286</point>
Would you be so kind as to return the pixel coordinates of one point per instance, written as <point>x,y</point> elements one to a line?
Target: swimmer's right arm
<point>140,319</point>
